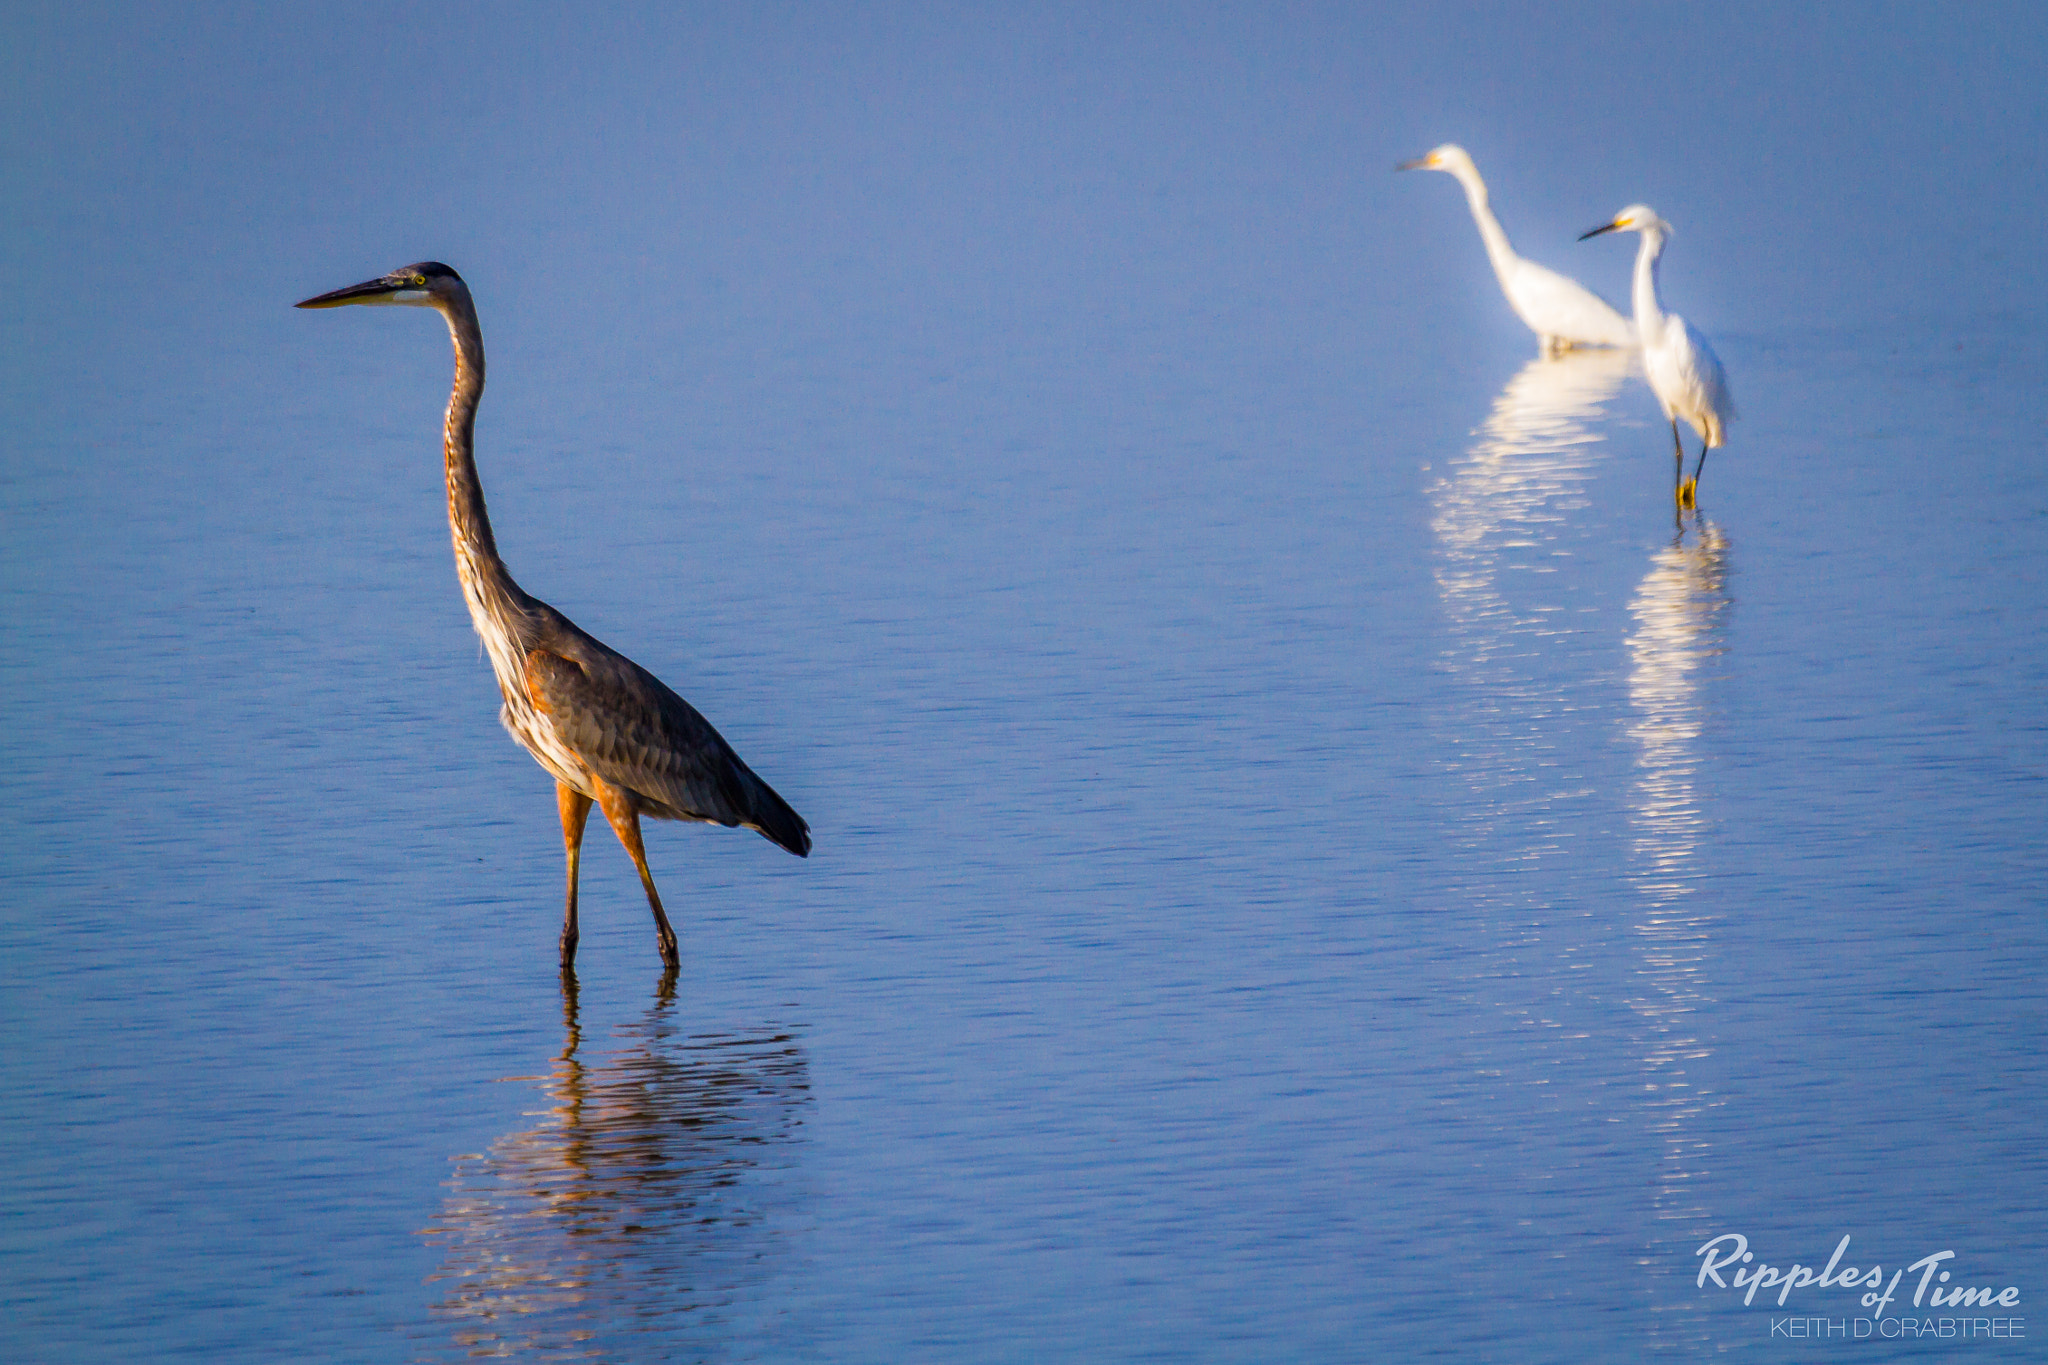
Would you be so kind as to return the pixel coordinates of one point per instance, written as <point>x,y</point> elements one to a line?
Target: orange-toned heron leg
<point>575,809</point>
<point>625,820</point>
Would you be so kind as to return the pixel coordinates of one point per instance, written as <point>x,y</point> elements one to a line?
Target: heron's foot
<point>1688,494</point>
<point>670,958</point>
<point>568,950</point>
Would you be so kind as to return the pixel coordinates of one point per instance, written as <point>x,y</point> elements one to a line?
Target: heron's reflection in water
<point>1680,611</point>
<point>656,1183</point>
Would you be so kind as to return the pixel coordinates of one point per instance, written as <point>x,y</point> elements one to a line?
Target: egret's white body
<point>1561,312</point>
<point>1682,368</point>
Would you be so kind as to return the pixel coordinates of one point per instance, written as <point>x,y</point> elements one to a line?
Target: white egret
<point>1683,370</point>
<point>1561,312</point>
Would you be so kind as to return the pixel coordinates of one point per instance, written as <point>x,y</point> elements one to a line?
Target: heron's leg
<point>625,822</point>
<point>575,809</point>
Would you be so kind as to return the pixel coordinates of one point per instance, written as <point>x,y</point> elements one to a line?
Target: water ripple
<point>652,1187</point>
<point>1680,610</point>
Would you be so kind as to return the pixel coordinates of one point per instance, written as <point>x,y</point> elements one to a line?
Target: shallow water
<point>1299,902</point>
<point>1314,859</point>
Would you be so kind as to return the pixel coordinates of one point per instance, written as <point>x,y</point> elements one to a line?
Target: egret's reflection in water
<point>1680,612</point>
<point>1517,483</point>
<point>1504,520</point>
<point>1526,742</point>
<point>655,1184</point>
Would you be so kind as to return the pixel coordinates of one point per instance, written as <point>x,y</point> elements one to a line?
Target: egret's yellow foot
<point>1688,493</point>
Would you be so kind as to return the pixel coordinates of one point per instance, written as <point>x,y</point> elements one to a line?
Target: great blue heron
<point>1561,312</point>
<point>1683,370</point>
<point>604,727</point>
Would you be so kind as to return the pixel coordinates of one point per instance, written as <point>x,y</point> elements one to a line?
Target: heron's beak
<point>1420,163</point>
<point>381,290</point>
<point>1594,232</point>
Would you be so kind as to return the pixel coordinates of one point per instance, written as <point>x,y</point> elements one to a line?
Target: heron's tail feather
<point>772,816</point>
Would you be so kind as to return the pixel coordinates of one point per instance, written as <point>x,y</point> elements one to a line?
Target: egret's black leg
<point>1698,467</point>
<point>1683,489</point>
<point>575,809</point>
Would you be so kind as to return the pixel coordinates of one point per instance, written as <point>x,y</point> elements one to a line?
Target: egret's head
<point>1634,218</point>
<point>1449,157</point>
<point>426,284</point>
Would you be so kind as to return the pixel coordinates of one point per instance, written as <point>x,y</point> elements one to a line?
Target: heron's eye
<point>417,281</point>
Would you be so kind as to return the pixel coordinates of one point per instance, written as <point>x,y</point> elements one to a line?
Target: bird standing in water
<point>1683,370</point>
<point>1561,312</point>
<point>608,731</point>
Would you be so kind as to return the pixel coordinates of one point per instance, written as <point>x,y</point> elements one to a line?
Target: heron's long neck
<point>1491,232</point>
<point>1649,311</point>
<point>496,604</point>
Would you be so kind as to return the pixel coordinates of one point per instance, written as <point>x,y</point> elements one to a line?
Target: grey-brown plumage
<point>609,731</point>
<point>632,731</point>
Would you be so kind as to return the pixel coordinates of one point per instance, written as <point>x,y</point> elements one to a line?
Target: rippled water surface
<point>1314,859</point>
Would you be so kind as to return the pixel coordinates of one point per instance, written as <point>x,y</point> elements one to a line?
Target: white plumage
<point>1682,368</point>
<point>1561,312</point>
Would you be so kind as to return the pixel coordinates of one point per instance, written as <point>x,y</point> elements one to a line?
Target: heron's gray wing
<point>634,733</point>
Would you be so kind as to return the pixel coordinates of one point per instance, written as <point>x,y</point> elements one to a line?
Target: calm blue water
<point>1313,862</point>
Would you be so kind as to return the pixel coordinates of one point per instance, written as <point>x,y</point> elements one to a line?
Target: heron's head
<point>426,284</point>
<point>1634,218</point>
<point>1449,157</point>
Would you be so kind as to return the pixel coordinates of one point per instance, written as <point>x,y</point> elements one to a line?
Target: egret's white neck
<point>1649,309</point>
<point>1498,249</point>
